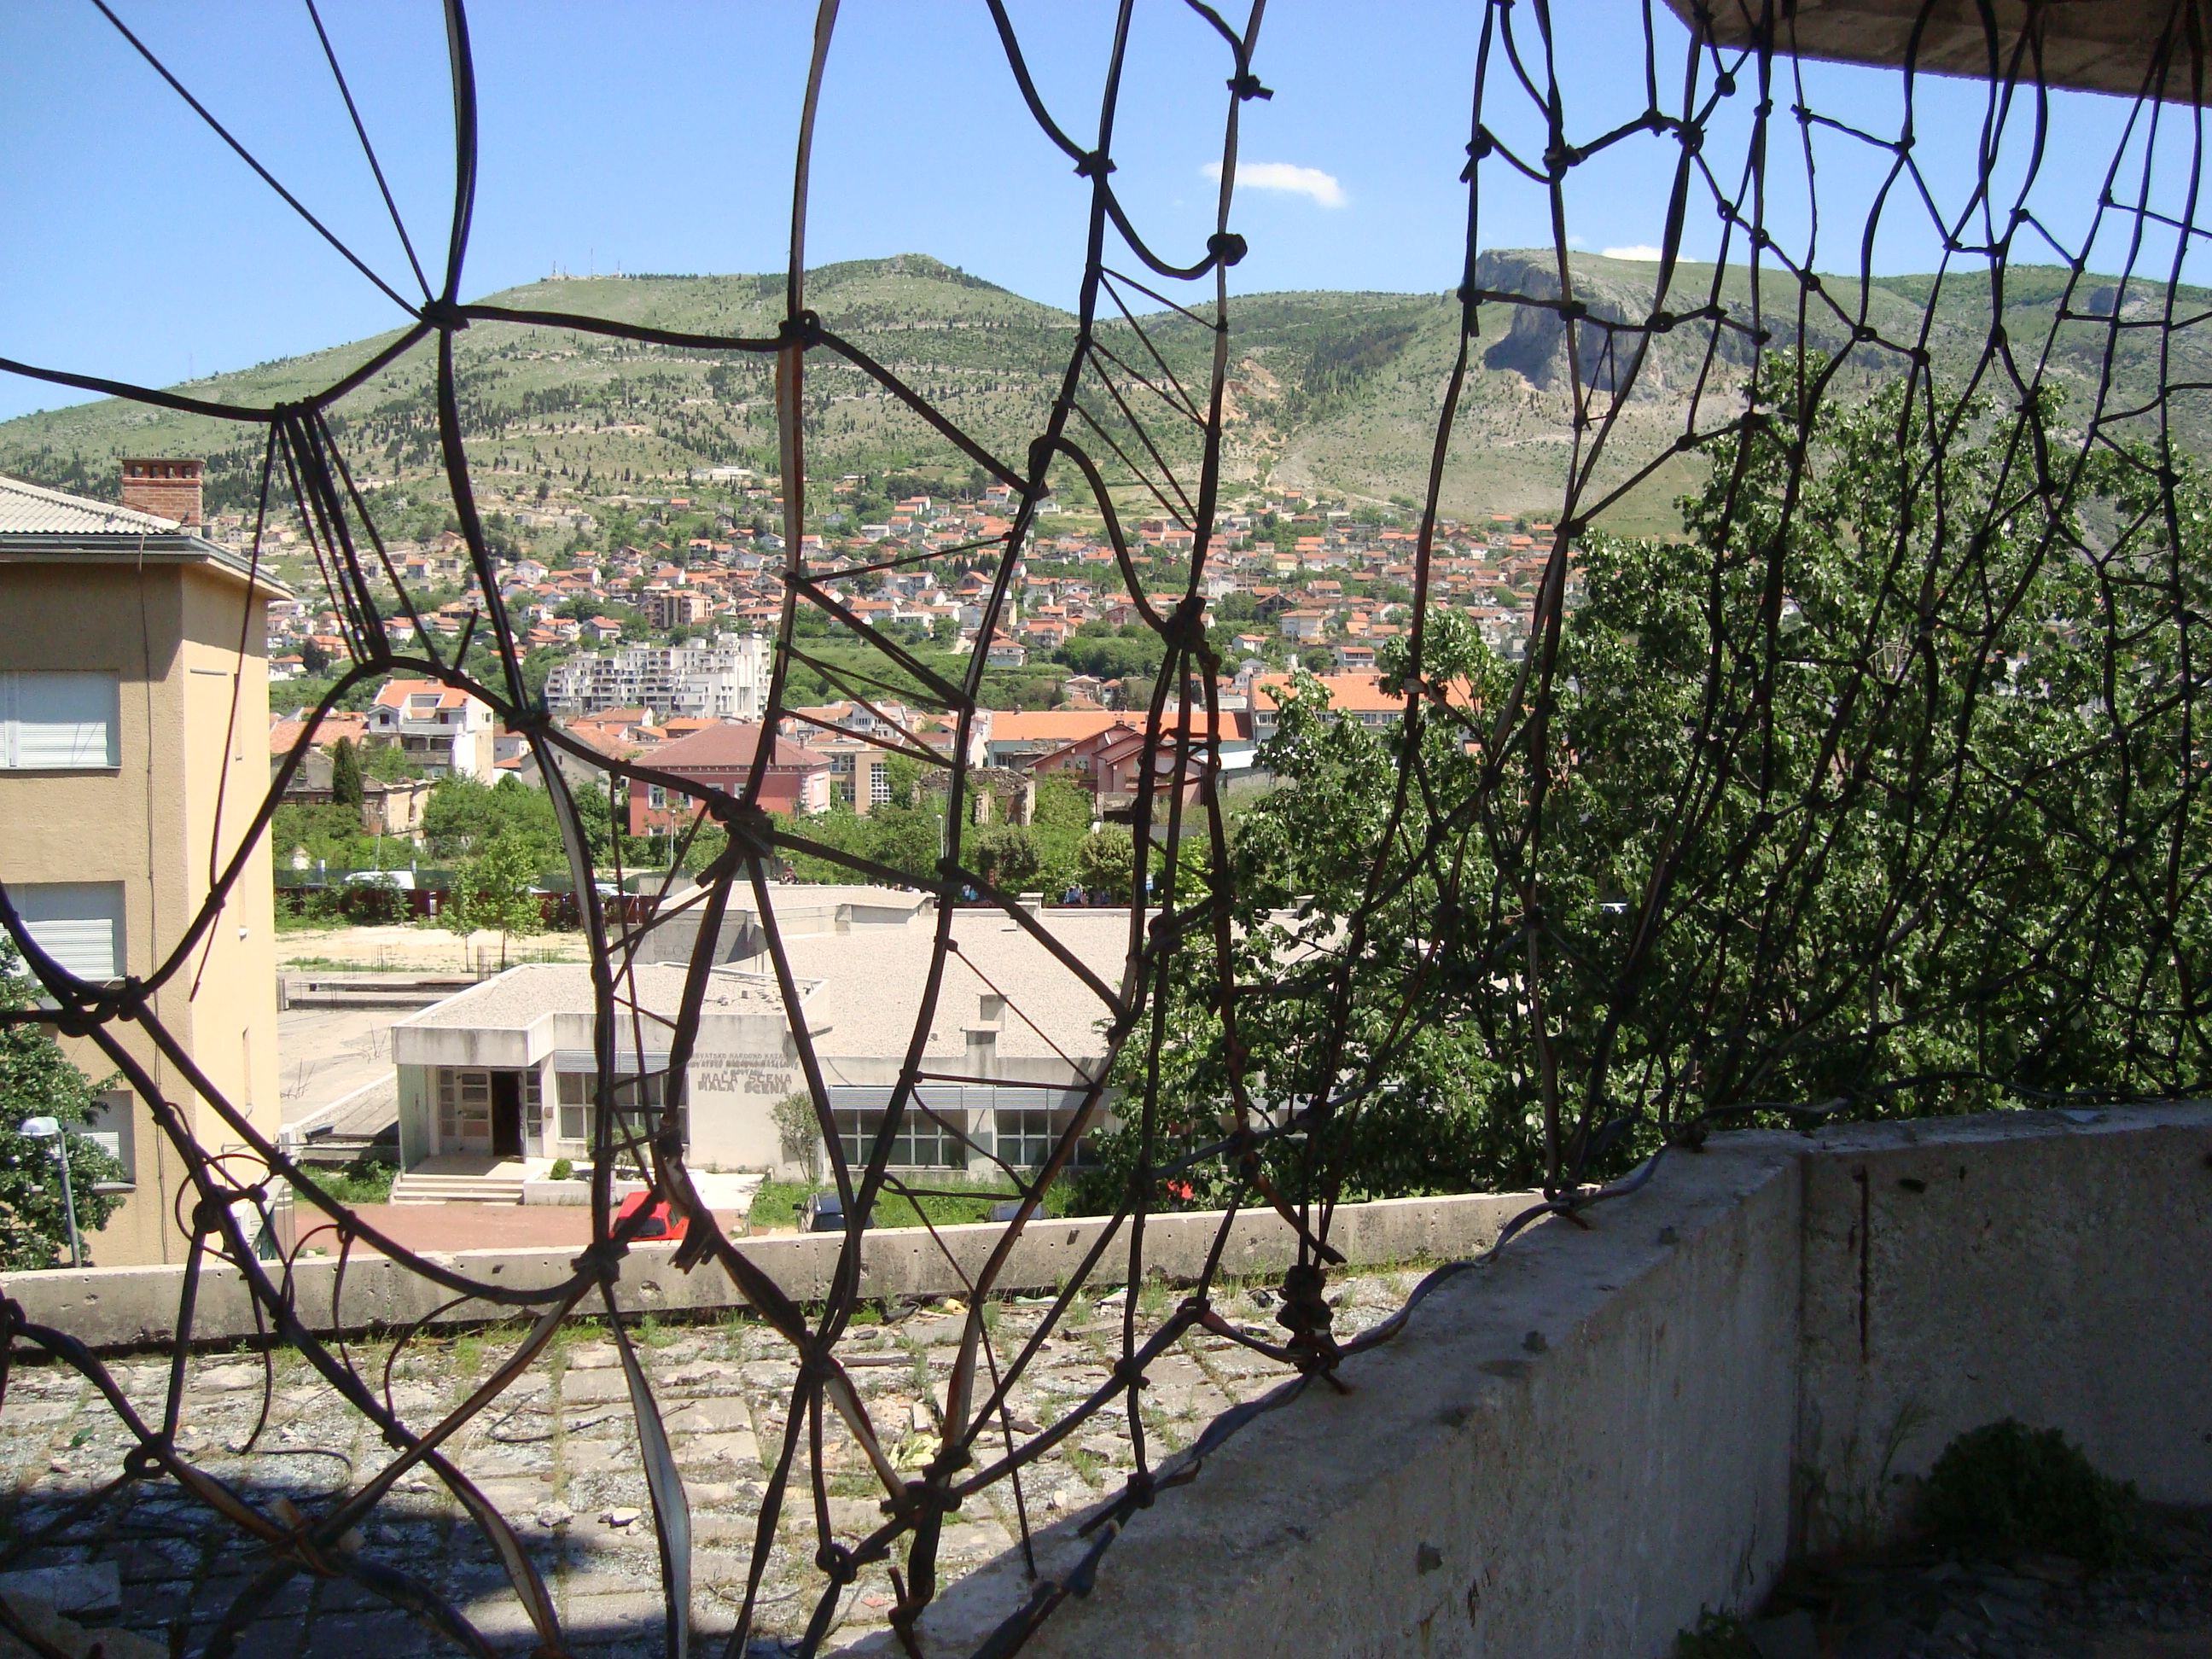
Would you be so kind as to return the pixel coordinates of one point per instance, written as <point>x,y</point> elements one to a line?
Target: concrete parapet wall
<point>131,1307</point>
<point>1573,1449</point>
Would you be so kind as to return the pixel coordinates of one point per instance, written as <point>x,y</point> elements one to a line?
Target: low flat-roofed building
<point>508,1070</point>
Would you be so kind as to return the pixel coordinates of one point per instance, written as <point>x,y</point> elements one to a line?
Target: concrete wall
<point>1698,1397</point>
<point>129,1307</point>
<point>2033,1266</point>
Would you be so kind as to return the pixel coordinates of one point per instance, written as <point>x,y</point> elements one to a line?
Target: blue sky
<point>657,136</point>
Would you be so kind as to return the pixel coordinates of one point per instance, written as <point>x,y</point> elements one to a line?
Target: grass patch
<point>364,1180</point>
<point>777,1203</point>
<point>1086,1465</point>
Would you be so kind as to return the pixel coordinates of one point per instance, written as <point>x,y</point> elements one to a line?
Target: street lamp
<point>48,1128</point>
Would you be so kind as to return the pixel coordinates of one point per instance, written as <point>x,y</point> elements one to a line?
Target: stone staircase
<point>501,1183</point>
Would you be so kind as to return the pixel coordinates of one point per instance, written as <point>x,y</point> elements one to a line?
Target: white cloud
<point>1641,251</point>
<point>1281,175</point>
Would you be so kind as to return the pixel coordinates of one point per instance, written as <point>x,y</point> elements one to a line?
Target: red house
<point>721,758</point>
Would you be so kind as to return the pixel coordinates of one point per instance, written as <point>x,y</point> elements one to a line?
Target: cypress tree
<point>345,775</point>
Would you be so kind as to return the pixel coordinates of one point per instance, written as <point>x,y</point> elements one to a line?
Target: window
<point>574,1089</point>
<point>78,923</point>
<point>1024,1138</point>
<point>922,1143</point>
<point>58,722</point>
<point>879,784</point>
<point>573,1092</point>
<point>109,1124</point>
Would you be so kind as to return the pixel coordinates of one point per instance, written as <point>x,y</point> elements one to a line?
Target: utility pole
<point>43,1129</point>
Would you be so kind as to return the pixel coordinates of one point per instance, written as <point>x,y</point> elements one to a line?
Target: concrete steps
<point>415,1187</point>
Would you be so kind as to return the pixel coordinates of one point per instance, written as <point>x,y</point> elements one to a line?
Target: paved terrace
<point>559,1456</point>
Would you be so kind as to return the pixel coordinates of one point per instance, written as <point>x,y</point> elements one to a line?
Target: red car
<point>660,1223</point>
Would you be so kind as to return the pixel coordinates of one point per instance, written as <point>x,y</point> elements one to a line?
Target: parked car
<point>662,1222</point>
<point>825,1212</point>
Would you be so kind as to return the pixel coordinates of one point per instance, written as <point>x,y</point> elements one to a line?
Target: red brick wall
<point>166,488</point>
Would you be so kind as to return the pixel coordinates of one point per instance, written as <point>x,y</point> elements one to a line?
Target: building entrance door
<point>463,1111</point>
<point>506,1114</point>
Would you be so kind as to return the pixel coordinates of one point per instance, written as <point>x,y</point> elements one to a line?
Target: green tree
<point>386,762</point>
<point>493,890</point>
<point>1005,855</point>
<point>37,1080</point>
<point>1854,792</point>
<point>1105,861</point>
<point>908,839</point>
<point>1059,821</point>
<point>345,775</point>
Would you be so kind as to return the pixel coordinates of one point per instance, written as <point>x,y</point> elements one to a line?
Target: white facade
<point>440,730</point>
<point>722,678</point>
<point>508,1070</point>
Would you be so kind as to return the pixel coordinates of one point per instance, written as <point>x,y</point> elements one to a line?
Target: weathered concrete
<point>129,1307</point>
<point>1563,1453</point>
<point>2051,1266</point>
<point>1573,1449</point>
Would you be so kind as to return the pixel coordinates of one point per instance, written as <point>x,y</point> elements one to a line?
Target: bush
<point>367,1180</point>
<point>562,1169</point>
<point>2005,1485</point>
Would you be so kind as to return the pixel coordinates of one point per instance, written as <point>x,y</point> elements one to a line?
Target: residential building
<point>132,763</point>
<point>678,608</point>
<point>447,732</point>
<point>721,758</point>
<point>1017,737</point>
<point>1357,697</point>
<point>388,806</point>
<point>860,771</point>
<point>724,678</point>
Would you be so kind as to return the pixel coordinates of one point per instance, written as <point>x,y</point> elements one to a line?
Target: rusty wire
<point>1487,912</point>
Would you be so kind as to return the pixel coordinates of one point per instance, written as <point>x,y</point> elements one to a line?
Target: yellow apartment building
<point>134,715</point>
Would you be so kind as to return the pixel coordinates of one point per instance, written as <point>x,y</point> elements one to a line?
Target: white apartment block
<point>722,678</point>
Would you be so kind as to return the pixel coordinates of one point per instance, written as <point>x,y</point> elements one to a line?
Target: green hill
<point>1334,390</point>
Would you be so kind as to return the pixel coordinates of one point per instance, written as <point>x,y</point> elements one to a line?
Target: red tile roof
<point>722,748</point>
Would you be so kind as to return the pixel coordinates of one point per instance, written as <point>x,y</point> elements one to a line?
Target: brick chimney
<point>166,488</point>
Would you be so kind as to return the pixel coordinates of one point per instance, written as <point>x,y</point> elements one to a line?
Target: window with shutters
<point>59,722</point>
<point>78,923</point>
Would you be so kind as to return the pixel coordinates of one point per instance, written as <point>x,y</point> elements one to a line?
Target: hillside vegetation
<point>1338,391</point>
